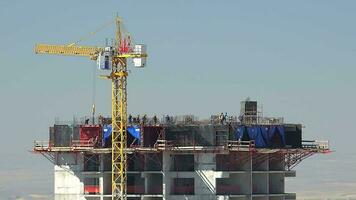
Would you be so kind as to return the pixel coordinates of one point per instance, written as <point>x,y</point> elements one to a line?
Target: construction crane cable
<point>94,93</point>
<point>107,24</point>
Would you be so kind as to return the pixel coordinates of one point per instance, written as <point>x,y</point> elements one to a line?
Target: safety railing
<point>41,145</point>
<point>241,144</point>
<point>163,144</point>
<point>270,120</point>
<point>85,143</point>
<point>45,145</point>
<point>316,144</point>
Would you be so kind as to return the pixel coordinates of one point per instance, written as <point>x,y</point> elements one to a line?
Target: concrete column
<point>251,163</point>
<point>268,172</point>
<point>101,185</point>
<point>145,176</point>
<point>166,162</point>
<point>101,178</point>
<point>205,175</point>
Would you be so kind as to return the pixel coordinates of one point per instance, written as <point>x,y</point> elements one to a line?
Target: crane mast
<point>118,118</point>
<point>118,55</point>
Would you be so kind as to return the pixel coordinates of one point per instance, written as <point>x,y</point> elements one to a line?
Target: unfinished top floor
<point>249,130</point>
<point>210,135</point>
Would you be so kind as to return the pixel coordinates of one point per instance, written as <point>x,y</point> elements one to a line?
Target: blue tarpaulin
<point>276,132</point>
<point>254,132</point>
<point>239,132</point>
<point>134,131</point>
<point>264,136</point>
<point>282,134</point>
<point>107,132</point>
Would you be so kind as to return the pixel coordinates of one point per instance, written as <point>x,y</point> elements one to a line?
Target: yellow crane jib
<point>91,52</point>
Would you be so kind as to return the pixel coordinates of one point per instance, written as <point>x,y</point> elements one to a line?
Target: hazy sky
<point>296,57</point>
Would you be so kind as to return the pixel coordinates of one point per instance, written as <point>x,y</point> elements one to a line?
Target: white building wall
<point>67,181</point>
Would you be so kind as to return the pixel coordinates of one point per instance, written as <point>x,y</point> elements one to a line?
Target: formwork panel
<point>92,133</point>
<point>62,135</point>
<point>191,135</point>
<point>151,135</point>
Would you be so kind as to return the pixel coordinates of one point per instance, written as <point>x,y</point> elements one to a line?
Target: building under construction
<point>171,158</point>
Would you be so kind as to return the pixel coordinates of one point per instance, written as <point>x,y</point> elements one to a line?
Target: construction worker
<point>138,119</point>
<point>225,117</point>
<point>221,118</point>
<point>241,117</point>
<point>167,119</point>
<point>155,120</point>
<point>100,118</point>
<point>231,119</point>
<point>144,119</point>
<point>130,119</point>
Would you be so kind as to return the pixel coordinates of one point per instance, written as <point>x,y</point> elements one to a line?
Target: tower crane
<point>113,59</point>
